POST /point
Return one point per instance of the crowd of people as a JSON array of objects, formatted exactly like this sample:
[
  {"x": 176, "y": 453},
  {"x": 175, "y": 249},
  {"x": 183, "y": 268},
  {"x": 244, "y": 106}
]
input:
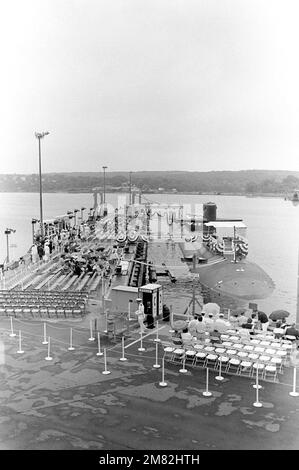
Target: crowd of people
[
  {"x": 202, "y": 325},
  {"x": 76, "y": 259}
]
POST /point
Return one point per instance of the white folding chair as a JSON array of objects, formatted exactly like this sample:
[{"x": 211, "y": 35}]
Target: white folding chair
[
  {"x": 224, "y": 361},
  {"x": 199, "y": 346},
  {"x": 233, "y": 365},
  {"x": 242, "y": 354},
  {"x": 255, "y": 341},
  {"x": 211, "y": 360},
  {"x": 277, "y": 361},
  {"x": 209, "y": 349},
  {"x": 265, "y": 343},
  {"x": 220, "y": 350},
  {"x": 231, "y": 352},
  {"x": 270, "y": 351},
  {"x": 245, "y": 368},
  {"x": 168, "y": 350},
  {"x": 253, "y": 356},
  {"x": 270, "y": 372},
  {"x": 234, "y": 338},
  {"x": 200, "y": 358},
  {"x": 190, "y": 355},
  {"x": 258, "y": 349},
  {"x": 257, "y": 366}
]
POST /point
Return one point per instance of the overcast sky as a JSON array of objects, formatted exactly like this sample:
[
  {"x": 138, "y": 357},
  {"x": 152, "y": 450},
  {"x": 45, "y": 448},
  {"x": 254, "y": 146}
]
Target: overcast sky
[{"x": 149, "y": 84}]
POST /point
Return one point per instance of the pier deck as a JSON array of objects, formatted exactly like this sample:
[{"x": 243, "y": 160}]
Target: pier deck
[
  {"x": 68, "y": 404},
  {"x": 168, "y": 254}
]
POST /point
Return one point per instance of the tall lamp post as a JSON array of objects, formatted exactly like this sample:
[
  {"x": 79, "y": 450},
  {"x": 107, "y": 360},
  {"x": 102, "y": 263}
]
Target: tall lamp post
[
  {"x": 82, "y": 209},
  {"x": 70, "y": 214},
  {"x": 75, "y": 215},
  {"x": 130, "y": 198},
  {"x": 104, "y": 211},
  {"x": 7, "y": 232},
  {"x": 297, "y": 313},
  {"x": 104, "y": 169},
  {"x": 39, "y": 136}
]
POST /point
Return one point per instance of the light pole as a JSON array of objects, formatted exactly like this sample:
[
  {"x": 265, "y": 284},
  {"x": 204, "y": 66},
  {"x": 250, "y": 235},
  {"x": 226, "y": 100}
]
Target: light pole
[
  {"x": 39, "y": 136},
  {"x": 104, "y": 168},
  {"x": 7, "y": 232},
  {"x": 33, "y": 222},
  {"x": 70, "y": 214},
  {"x": 297, "y": 313},
  {"x": 130, "y": 198},
  {"x": 75, "y": 215}
]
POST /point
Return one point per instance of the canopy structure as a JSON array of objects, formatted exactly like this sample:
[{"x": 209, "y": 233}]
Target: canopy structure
[{"x": 226, "y": 224}]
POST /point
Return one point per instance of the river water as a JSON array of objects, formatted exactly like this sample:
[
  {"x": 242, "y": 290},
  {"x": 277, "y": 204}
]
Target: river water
[{"x": 273, "y": 230}]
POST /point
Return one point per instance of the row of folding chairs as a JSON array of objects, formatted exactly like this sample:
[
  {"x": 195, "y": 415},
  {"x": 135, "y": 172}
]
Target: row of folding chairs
[
  {"x": 259, "y": 338},
  {"x": 243, "y": 354},
  {"x": 31, "y": 303},
  {"x": 271, "y": 349},
  {"x": 283, "y": 351},
  {"x": 42, "y": 312},
  {"x": 39, "y": 298},
  {"x": 42, "y": 294},
  {"x": 256, "y": 340},
  {"x": 12, "y": 307},
  {"x": 267, "y": 369}
]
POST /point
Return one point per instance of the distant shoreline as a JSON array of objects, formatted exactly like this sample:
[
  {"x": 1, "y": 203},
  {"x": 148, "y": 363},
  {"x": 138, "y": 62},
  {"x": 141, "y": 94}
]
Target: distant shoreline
[{"x": 88, "y": 191}]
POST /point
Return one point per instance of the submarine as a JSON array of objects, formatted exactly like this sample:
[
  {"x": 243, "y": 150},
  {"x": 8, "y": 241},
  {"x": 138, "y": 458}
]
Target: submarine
[
  {"x": 180, "y": 245},
  {"x": 219, "y": 256}
]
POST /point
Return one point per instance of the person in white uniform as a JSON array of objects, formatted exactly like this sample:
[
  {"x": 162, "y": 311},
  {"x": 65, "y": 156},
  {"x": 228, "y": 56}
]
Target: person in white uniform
[{"x": 140, "y": 315}]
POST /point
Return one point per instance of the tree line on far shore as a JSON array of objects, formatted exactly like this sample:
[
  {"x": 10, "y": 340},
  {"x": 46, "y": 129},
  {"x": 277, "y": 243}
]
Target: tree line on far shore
[{"x": 231, "y": 182}]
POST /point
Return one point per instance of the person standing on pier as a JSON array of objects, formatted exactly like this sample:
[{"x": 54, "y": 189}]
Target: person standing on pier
[{"x": 140, "y": 315}]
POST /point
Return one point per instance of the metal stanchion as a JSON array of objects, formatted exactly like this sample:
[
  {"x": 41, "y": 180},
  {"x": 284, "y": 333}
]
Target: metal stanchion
[
  {"x": 183, "y": 370},
  {"x": 257, "y": 403},
  {"x": 157, "y": 339},
  {"x": 20, "y": 351},
  {"x": 45, "y": 335},
  {"x": 294, "y": 393},
  {"x": 99, "y": 353},
  {"x": 49, "y": 358},
  {"x": 171, "y": 330},
  {"x": 106, "y": 371},
  {"x": 257, "y": 385},
  {"x": 206, "y": 393},
  {"x": 163, "y": 383},
  {"x": 141, "y": 348},
  {"x": 91, "y": 337},
  {"x": 219, "y": 377},
  {"x": 106, "y": 320},
  {"x": 156, "y": 365},
  {"x": 12, "y": 334},
  {"x": 129, "y": 311},
  {"x": 71, "y": 348},
  {"x": 123, "y": 358}
]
